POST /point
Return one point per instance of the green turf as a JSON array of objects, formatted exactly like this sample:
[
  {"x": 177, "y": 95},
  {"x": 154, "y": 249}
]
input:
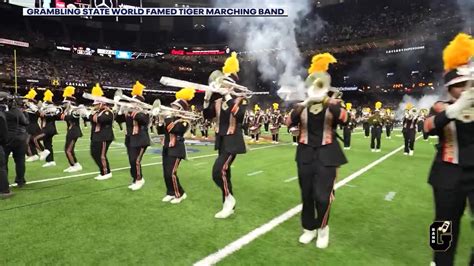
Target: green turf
[{"x": 83, "y": 221}]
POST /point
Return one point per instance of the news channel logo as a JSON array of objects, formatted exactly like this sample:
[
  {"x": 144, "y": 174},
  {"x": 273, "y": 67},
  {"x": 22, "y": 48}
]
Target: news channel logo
[{"x": 441, "y": 235}]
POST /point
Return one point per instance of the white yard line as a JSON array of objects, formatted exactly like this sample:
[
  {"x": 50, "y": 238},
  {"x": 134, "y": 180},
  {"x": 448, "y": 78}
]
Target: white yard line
[
  {"x": 390, "y": 195},
  {"x": 265, "y": 228},
  {"x": 254, "y": 173},
  {"x": 128, "y": 167}
]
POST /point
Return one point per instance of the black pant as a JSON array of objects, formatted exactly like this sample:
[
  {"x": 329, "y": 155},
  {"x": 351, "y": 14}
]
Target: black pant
[
  {"x": 135, "y": 155},
  {"x": 31, "y": 148},
  {"x": 99, "y": 154},
  {"x": 347, "y": 132},
  {"x": 205, "y": 133},
  {"x": 255, "y": 136},
  {"x": 69, "y": 150},
  {"x": 17, "y": 147},
  {"x": 4, "y": 185},
  {"x": 388, "y": 130},
  {"x": 275, "y": 137},
  {"x": 266, "y": 126},
  {"x": 317, "y": 192},
  {"x": 449, "y": 206},
  {"x": 409, "y": 136},
  {"x": 425, "y": 135},
  {"x": 366, "y": 129},
  {"x": 221, "y": 173},
  {"x": 170, "y": 174},
  {"x": 295, "y": 139},
  {"x": 48, "y": 145},
  {"x": 193, "y": 132},
  {"x": 376, "y": 134}
]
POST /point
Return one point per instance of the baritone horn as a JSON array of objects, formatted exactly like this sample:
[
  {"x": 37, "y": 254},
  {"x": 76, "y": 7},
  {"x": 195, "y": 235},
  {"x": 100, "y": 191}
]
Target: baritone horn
[{"x": 161, "y": 110}]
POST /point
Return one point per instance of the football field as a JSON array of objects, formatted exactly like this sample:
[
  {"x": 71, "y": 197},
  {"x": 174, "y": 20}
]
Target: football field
[{"x": 381, "y": 214}]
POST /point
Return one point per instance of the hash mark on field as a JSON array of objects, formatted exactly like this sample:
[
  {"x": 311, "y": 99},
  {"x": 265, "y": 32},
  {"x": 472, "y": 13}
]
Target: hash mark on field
[
  {"x": 390, "y": 195},
  {"x": 265, "y": 228},
  {"x": 348, "y": 185},
  {"x": 254, "y": 173},
  {"x": 201, "y": 163},
  {"x": 290, "y": 179}
]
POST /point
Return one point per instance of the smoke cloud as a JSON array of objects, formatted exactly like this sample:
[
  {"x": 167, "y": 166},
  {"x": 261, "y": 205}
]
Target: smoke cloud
[{"x": 271, "y": 42}]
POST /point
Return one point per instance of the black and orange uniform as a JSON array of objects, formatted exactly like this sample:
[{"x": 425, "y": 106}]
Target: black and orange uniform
[
  {"x": 376, "y": 125},
  {"x": 347, "y": 130},
  {"x": 256, "y": 126},
  {"x": 246, "y": 123},
  {"x": 120, "y": 119},
  {"x": 318, "y": 156},
  {"x": 174, "y": 150},
  {"x": 266, "y": 119},
  {"x": 137, "y": 140},
  {"x": 229, "y": 113},
  {"x": 409, "y": 133},
  {"x": 102, "y": 135},
  {"x": 276, "y": 119},
  {"x": 452, "y": 172},
  {"x": 33, "y": 129},
  {"x": 420, "y": 125},
  {"x": 366, "y": 126},
  {"x": 48, "y": 131},
  {"x": 74, "y": 132}
]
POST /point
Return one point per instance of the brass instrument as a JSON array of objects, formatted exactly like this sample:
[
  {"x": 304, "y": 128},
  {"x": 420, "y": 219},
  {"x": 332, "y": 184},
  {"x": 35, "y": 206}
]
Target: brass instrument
[
  {"x": 217, "y": 80},
  {"x": 318, "y": 84},
  {"x": 161, "y": 110},
  {"x": 49, "y": 109},
  {"x": 412, "y": 113}
]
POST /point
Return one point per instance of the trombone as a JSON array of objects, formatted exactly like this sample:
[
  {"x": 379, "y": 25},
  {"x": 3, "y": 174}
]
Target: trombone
[{"x": 161, "y": 110}]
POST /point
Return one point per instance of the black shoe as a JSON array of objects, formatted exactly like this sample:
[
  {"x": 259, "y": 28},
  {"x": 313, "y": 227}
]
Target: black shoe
[
  {"x": 20, "y": 185},
  {"x": 6, "y": 195}
]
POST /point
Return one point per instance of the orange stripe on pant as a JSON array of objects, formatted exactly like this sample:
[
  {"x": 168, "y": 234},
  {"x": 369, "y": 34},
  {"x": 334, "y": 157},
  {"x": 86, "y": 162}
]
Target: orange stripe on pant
[
  {"x": 224, "y": 176},
  {"x": 103, "y": 159},
  {"x": 138, "y": 164},
  {"x": 174, "y": 178}
]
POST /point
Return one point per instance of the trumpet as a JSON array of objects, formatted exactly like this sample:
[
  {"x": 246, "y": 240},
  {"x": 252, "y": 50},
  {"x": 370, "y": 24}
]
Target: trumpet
[
  {"x": 161, "y": 110},
  {"x": 49, "y": 109}
]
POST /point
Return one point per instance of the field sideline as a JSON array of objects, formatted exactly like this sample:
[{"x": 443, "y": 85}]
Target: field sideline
[{"x": 72, "y": 219}]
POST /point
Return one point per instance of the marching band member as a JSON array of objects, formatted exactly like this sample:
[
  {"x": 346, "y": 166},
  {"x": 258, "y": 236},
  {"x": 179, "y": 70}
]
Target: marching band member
[
  {"x": 452, "y": 172},
  {"x": 275, "y": 123},
  {"x": 388, "y": 122},
  {"x": 48, "y": 115},
  {"x": 102, "y": 134},
  {"x": 204, "y": 127},
  {"x": 421, "y": 122},
  {"x": 365, "y": 121},
  {"x": 409, "y": 129},
  {"x": 73, "y": 122},
  {"x": 193, "y": 123},
  {"x": 376, "y": 123},
  {"x": 229, "y": 113},
  {"x": 137, "y": 138},
  {"x": 174, "y": 149},
  {"x": 246, "y": 122},
  {"x": 255, "y": 127},
  {"x": 266, "y": 119},
  {"x": 348, "y": 127},
  {"x": 33, "y": 129},
  {"x": 318, "y": 154}
]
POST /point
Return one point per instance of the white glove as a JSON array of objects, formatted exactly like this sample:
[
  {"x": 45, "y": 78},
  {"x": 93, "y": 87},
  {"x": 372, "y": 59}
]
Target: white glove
[
  {"x": 155, "y": 112},
  {"x": 465, "y": 101},
  {"x": 207, "y": 95},
  {"x": 223, "y": 91}
]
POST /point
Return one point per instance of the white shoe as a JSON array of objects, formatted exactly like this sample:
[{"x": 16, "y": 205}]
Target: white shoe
[
  {"x": 432, "y": 263},
  {"x": 405, "y": 153},
  {"x": 276, "y": 142},
  {"x": 67, "y": 170},
  {"x": 411, "y": 153},
  {"x": 167, "y": 198},
  {"x": 308, "y": 236},
  {"x": 138, "y": 184},
  {"x": 378, "y": 150},
  {"x": 323, "y": 237},
  {"x": 227, "y": 209},
  {"x": 32, "y": 158},
  {"x": 131, "y": 185},
  {"x": 178, "y": 200},
  {"x": 295, "y": 144},
  {"x": 103, "y": 177},
  {"x": 373, "y": 150},
  {"x": 49, "y": 164},
  {"x": 43, "y": 155},
  {"x": 76, "y": 168}
]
